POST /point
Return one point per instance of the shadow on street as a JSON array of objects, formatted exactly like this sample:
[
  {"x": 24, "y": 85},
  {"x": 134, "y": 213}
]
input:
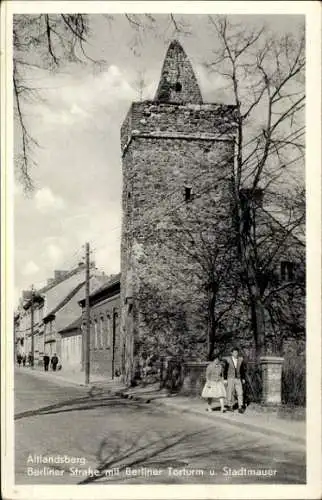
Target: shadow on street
[
  {"x": 186, "y": 449},
  {"x": 84, "y": 403}
]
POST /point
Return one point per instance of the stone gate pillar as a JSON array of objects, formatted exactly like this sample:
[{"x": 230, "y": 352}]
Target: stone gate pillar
[{"x": 271, "y": 367}]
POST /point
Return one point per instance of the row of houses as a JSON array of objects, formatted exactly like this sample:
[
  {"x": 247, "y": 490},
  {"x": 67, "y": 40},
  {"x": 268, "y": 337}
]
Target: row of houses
[{"x": 57, "y": 312}]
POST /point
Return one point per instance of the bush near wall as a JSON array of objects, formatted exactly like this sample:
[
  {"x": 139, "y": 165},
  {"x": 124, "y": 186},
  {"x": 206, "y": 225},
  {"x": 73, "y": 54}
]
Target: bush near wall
[{"x": 294, "y": 381}]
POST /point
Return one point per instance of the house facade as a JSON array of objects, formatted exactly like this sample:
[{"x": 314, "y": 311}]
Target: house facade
[
  {"x": 65, "y": 321},
  {"x": 39, "y": 308},
  {"x": 105, "y": 351},
  {"x": 71, "y": 341}
]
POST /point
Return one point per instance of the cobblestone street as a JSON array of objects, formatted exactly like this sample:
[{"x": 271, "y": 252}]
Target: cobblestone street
[{"x": 106, "y": 439}]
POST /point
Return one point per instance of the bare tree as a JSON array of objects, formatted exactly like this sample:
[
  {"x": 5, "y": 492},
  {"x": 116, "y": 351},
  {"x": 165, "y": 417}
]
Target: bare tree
[
  {"x": 215, "y": 282},
  {"x": 41, "y": 42},
  {"x": 140, "y": 84},
  {"x": 49, "y": 42},
  {"x": 265, "y": 76}
]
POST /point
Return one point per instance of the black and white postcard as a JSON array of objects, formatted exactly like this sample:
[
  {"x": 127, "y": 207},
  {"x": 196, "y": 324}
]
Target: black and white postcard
[{"x": 161, "y": 326}]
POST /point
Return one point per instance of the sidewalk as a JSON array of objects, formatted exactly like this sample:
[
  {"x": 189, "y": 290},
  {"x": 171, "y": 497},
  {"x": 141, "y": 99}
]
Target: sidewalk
[
  {"x": 73, "y": 377},
  {"x": 254, "y": 418}
]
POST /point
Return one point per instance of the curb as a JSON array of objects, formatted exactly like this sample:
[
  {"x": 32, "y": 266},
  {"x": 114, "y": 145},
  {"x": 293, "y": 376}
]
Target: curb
[{"x": 61, "y": 380}]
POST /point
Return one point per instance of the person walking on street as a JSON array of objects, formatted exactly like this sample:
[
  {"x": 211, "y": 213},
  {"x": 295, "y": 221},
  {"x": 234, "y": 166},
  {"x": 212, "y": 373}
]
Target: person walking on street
[
  {"x": 235, "y": 374},
  {"x": 30, "y": 359},
  {"x": 214, "y": 387},
  {"x": 19, "y": 359},
  {"x": 54, "y": 362},
  {"x": 46, "y": 362},
  {"x": 24, "y": 359}
]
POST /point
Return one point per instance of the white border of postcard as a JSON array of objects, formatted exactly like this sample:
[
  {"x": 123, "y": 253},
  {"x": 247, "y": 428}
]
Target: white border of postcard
[{"x": 312, "y": 489}]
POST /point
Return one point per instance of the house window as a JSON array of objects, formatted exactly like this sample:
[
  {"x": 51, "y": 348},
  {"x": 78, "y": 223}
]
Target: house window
[
  {"x": 116, "y": 324},
  {"x": 91, "y": 336},
  {"x": 108, "y": 331},
  {"x": 287, "y": 270},
  {"x": 101, "y": 333},
  {"x": 187, "y": 193},
  {"x": 95, "y": 334}
]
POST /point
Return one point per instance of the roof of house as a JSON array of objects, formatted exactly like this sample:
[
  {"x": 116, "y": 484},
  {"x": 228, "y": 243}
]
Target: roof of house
[
  {"x": 294, "y": 231},
  {"x": 110, "y": 283},
  {"x": 67, "y": 309},
  {"x": 74, "y": 325},
  {"x": 100, "y": 282},
  {"x": 64, "y": 301}
]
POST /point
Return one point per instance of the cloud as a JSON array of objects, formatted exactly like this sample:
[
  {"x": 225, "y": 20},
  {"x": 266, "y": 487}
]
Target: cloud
[
  {"x": 77, "y": 111},
  {"x": 54, "y": 254},
  {"x": 47, "y": 201},
  {"x": 75, "y": 100},
  {"x": 17, "y": 189},
  {"x": 214, "y": 87},
  {"x": 30, "y": 268}
]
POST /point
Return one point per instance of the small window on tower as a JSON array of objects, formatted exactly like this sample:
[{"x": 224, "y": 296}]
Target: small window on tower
[
  {"x": 178, "y": 87},
  {"x": 287, "y": 270},
  {"x": 188, "y": 193},
  {"x": 129, "y": 195}
]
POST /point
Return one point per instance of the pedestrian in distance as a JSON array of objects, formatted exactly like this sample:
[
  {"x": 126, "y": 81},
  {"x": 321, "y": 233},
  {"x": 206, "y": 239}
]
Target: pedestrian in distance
[
  {"x": 214, "y": 387},
  {"x": 30, "y": 359},
  {"x": 54, "y": 362},
  {"x": 235, "y": 374},
  {"x": 19, "y": 359},
  {"x": 46, "y": 362},
  {"x": 24, "y": 359}
]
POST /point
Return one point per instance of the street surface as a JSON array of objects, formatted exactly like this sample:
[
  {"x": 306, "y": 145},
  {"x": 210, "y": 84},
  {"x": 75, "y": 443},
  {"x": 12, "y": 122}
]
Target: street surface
[{"x": 80, "y": 438}]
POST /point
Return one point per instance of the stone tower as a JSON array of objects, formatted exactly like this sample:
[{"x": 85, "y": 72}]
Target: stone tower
[{"x": 177, "y": 155}]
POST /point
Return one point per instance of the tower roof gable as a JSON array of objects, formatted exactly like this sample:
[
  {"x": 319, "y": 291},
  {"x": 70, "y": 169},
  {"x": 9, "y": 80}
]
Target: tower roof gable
[{"x": 178, "y": 82}]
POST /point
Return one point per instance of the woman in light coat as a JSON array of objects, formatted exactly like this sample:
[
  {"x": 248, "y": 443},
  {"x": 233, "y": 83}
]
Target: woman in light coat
[{"x": 214, "y": 387}]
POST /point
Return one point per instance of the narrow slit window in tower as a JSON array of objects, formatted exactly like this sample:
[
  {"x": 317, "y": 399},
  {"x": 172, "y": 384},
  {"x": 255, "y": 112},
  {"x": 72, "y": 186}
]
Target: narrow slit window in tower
[{"x": 188, "y": 194}]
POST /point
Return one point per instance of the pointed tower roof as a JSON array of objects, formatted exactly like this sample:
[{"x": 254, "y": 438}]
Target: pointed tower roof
[{"x": 178, "y": 82}]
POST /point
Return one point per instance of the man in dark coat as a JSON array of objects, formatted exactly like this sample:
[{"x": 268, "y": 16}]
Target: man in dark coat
[
  {"x": 30, "y": 359},
  {"x": 46, "y": 362},
  {"x": 54, "y": 362},
  {"x": 235, "y": 374}
]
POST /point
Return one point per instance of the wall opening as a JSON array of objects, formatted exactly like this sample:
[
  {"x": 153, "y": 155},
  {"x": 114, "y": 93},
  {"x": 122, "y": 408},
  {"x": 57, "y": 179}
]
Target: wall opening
[
  {"x": 287, "y": 270},
  {"x": 187, "y": 193}
]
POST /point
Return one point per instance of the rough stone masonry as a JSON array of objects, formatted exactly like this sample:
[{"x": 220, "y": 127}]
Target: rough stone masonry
[{"x": 178, "y": 155}]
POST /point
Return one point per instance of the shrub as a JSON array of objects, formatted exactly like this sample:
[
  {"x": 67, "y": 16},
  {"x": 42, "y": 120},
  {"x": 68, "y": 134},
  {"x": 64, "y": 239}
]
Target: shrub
[{"x": 294, "y": 381}]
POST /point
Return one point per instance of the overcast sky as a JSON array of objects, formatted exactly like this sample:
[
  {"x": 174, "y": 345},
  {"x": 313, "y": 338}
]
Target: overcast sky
[{"x": 78, "y": 177}]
